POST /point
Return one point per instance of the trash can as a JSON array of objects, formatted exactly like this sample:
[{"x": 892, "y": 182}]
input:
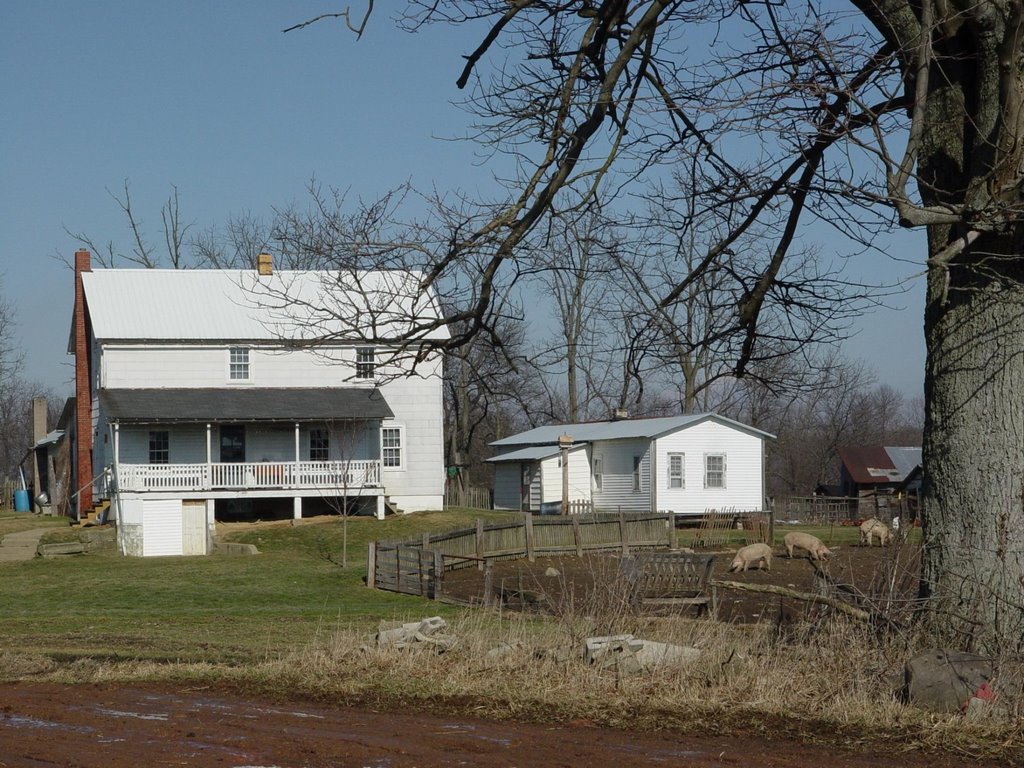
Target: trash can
[{"x": 21, "y": 501}]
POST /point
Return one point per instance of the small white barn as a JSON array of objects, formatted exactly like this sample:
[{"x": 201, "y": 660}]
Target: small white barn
[{"x": 685, "y": 464}]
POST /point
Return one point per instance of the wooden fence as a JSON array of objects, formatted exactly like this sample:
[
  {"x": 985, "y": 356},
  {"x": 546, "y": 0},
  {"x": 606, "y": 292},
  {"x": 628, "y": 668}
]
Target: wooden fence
[
  {"x": 472, "y": 497},
  {"x": 417, "y": 567}
]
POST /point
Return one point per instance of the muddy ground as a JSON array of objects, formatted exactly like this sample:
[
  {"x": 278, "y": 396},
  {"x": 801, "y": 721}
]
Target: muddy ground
[
  {"x": 866, "y": 575},
  {"x": 136, "y": 727}
]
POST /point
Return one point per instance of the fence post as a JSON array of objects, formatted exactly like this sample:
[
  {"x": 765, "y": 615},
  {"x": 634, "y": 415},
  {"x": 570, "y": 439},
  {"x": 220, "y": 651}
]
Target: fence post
[
  {"x": 672, "y": 529},
  {"x": 528, "y": 520},
  {"x": 771, "y": 525},
  {"x": 480, "y": 543},
  {"x": 577, "y": 536},
  {"x": 371, "y": 565},
  {"x": 488, "y": 582},
  {"x": 622, "y": 532},
  {"x": 425, "y": 542},
  {"x": 438, "y": 575}
]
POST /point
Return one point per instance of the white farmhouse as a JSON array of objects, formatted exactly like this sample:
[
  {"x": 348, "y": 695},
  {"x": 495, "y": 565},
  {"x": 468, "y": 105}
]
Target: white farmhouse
[
  {"x": 200, "y": 396},
  {"x": 685, "y": 464}
]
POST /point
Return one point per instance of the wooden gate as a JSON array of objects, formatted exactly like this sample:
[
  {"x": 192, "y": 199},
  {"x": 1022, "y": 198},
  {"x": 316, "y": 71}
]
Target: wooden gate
[{"x": 410, "y": 570}]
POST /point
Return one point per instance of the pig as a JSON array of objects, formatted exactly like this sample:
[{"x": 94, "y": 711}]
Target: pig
[
  {"x": 866, "y": 526},
  {"x": 750, "y": 554},
  {"x": 812, "y": 544},
  {"x": 876, "y": 528}
]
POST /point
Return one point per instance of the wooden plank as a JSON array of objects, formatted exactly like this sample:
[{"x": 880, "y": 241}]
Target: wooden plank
[
  {"x": 622, "y": 532},
  {"x": 371, "y": 565},
  {"x": 528, "y": 521},
  {"x": 576, "y": 536},
  {"x": 480, "y": 540}
]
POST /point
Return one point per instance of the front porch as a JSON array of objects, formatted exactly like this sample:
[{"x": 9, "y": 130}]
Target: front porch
[{"x": 331, "y": 477}]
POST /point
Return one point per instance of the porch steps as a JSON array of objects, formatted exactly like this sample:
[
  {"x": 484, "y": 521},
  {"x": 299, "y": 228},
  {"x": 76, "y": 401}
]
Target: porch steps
[
  {"x": 391, "y": 508},
  {"x": 92, "y": 516}
]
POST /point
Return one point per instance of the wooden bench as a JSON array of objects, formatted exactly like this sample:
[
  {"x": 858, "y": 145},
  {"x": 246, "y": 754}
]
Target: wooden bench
[{"x": 665, "y": 579}]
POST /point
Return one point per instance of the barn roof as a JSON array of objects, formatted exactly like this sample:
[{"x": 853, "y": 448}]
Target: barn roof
[
  {"x": 874, "y": 464},
  {"x": 241, "y": 305}
]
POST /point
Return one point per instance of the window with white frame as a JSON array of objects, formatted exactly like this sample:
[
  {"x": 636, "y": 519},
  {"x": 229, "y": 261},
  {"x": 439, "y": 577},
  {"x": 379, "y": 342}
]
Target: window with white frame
[
  {"x": 714, "y": 470},
  {"x": 391, "y": 448},
  {"x": 159, "y": 446},
  {"x": 598, "y": 473},
  {"x": 676, "y": 478},
  {"x": 366, "y": 362},
  {"x": 319, "y": 445},
  {"x": 238, "y": 364},
  {"x": 636, "y": 474}
]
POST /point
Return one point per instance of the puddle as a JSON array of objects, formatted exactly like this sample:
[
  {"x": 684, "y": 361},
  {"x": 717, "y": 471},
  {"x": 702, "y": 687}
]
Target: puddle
[
  {"x": 16, "y": 721},
  {"x": 136, "y": 715}
]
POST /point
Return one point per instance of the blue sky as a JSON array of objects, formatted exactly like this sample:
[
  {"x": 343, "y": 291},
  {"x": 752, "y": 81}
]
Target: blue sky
[{"x": 213, "y": 98}]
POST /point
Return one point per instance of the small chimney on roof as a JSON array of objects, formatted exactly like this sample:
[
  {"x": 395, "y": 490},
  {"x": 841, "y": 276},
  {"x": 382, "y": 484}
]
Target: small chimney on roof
[
  {"x": 265, "y": 264},
  {"x": 619, "y": 414}
]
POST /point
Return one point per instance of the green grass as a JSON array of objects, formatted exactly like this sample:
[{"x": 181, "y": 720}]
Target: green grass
[
  {"x": 13, "y": 522},
  {"x": 218, "y": 608}
]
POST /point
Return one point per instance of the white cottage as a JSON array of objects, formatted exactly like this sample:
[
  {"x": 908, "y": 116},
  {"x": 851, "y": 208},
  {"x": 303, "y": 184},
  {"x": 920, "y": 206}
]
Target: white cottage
[
  {"x": 685, "y": 464},
  {"x": 198, "y": 399}
]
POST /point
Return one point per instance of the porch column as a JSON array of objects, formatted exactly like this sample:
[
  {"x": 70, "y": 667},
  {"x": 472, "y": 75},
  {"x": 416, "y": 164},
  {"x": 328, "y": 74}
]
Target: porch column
[
  {"x": 295, "y": 474},
  {"x": 380, "y": 508},
  {"x": 209, "y": 458},
  {"x": 117, "y": 455},
  {"x": 297, "y": 506}
]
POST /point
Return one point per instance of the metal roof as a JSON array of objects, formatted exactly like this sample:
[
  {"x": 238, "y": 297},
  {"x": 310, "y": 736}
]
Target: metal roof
[
  {"x": 243, "y": 404},
  {"x": 50, "y": 438},
  {"x": 240, "y": 305},
  {"x": 588, "y": 432},
  {"x": 904, "y": 459},
  {"x": 533, "y": 453},
  {"x": 874, "y": 464}
]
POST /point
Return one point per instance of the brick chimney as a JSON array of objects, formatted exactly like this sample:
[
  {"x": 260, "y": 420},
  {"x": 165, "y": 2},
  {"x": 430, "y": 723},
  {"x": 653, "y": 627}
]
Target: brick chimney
[
  {"x": 83, "y": 390},
  {"x": 265, "y": 264}
]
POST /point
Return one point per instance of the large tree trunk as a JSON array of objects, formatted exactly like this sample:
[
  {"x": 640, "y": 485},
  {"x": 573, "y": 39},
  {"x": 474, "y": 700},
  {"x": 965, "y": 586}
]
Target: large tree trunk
[
  {"x": 973, "y": 569},
  {"x": 974, "y": 459}
]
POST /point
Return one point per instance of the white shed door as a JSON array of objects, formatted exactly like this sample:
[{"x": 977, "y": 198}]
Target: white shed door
[
  {"x": 193, "y": 527},
  {"x": 162, "y": 528}
]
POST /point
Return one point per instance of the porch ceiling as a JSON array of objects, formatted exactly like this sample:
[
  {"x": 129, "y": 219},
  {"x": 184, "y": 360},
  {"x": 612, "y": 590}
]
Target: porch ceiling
[{"x": 243, "y": 404}]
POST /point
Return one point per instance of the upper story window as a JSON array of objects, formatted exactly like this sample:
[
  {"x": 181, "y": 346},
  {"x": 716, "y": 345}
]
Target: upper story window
[
  {"x": 159, "y": 447},
  {"x": 238, "y": 364},
  {"x": 391, "y": 447},
  {"x": 676, "y": 478},
  {"x": 319, "y": 445},
  {"x": 714, "y": 470},
  {"x": 365, "y": 362}
]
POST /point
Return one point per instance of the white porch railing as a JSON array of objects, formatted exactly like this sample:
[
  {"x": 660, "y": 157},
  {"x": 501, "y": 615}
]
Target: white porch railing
[{"x": 256, "y": 475}]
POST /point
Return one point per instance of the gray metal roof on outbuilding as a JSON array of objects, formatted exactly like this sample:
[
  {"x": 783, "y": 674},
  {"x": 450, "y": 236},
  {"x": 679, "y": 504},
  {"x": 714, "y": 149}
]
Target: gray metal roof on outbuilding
[
  {"x": 151, "y": 406},
  {"x": 532, "y": 453},
  {"x": 622, "y": 429}
]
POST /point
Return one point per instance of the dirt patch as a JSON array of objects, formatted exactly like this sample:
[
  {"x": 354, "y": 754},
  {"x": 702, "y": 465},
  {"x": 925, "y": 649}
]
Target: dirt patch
[
  {"x": 125, "y": 727},
  {"x": 867, "y": 575}
]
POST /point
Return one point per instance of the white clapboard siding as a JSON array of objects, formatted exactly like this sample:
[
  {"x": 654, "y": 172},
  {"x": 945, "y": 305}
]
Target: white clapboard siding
[
  {"x": 743, "y": 450},
  {"x": 579, "y": 477},
  {"x": 617, "y": 490}
]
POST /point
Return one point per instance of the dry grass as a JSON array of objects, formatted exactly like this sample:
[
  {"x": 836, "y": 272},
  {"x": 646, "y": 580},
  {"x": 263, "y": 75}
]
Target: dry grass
[{"x": 833, "y": 685}]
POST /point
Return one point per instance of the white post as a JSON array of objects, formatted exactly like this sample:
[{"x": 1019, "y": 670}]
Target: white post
[
  {"x": 295, "y": 474},
  {"x": 380, "y": 507},
  {"x": 298, "y": 508},
  {"x": 117, "y": 456},
  {"x": 209, "y": 460}
]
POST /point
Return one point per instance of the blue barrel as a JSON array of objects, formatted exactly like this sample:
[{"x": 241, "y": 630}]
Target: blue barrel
[{"x": 21, "y": 501}]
